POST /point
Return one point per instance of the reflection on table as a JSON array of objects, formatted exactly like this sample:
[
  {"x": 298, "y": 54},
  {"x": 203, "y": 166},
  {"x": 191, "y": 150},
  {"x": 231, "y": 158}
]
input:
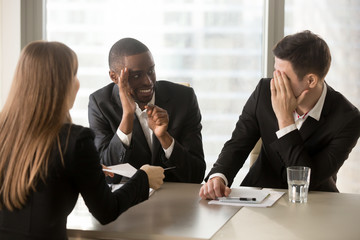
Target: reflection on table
[{"x": 176, "y": 212}]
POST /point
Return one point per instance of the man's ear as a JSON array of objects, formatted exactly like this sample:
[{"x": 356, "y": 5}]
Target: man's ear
[
  {"x": 312, "y": 80},
  {"x": 113, "y": 76}
]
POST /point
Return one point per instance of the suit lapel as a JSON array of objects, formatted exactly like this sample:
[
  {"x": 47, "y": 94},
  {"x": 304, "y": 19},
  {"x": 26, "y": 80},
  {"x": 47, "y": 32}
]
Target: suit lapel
[
  {"x": 162, "y": 97},
  {"x": 156, "y": 148},
  {"x": 138, "y": 134},
  {"x": 309, "y": 127}
]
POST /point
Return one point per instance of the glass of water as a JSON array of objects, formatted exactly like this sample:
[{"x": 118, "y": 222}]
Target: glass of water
[{"x": 298, "y": 179}]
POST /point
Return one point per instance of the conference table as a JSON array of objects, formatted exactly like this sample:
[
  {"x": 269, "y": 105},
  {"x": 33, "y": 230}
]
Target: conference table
[{"x": 175, "y": 211}]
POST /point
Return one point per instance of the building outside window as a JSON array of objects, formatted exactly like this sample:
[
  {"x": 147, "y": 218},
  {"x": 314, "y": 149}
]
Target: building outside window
[{"x": 214, "y": 45}]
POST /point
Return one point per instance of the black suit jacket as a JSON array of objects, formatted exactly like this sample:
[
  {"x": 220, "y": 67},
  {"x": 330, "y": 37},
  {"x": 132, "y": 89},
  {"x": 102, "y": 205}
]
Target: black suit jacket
[
  {"x": 322, "y": 145},
  {"x": 45, "y": 213},
  {"x": 105, "y": 113}
]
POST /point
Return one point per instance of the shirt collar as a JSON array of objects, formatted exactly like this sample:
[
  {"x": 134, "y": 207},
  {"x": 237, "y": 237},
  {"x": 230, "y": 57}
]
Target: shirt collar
[
  {"x": 315, "y": 112},
  {"x": 138, "y": 110}
]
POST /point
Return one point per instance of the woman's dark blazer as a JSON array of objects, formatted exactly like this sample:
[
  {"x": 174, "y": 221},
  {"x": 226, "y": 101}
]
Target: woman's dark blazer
[{"x": 45, "y": 213}]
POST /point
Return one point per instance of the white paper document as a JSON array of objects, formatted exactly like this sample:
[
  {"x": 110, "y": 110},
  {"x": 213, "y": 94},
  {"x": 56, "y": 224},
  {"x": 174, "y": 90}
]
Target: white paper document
[
  {"x": 124, "y": 169},
  {"x": 246, "y": 195},
  {"x": 249, "y": 198},
  {"x": 115, "y": 187}
]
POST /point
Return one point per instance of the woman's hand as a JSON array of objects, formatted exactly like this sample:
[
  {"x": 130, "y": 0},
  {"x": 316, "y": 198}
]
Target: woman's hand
[
  {"x": 108, "y": 174},
  {"x": 155, "y": 175}
]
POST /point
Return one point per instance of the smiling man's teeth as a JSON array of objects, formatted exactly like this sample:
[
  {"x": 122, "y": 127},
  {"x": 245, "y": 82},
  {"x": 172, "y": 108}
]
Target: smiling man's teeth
[{"x": 145, "y": 91}]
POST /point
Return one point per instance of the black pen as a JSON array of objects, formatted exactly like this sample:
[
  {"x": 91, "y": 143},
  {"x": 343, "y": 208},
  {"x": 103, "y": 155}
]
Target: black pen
[
  {"x": 169, "y": 168},
  {"x": 247, "y": 199},
  {"x": 236, "y": 199}
]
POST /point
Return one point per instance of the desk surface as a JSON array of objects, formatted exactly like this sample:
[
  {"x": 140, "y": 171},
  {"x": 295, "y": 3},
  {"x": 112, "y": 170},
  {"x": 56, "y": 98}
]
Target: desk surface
[
  {"x": 176, "y": 212},
  {"x": 325, "y": 216}
]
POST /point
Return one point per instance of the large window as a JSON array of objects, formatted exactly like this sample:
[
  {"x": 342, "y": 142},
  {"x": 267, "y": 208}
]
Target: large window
[
  {"x": 215, "y": 45},
  {"x": 337, "y": 22}
]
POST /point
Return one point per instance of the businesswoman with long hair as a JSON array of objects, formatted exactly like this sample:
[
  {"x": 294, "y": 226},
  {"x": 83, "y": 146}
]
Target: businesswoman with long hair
[{"x": 45, "y": 160}]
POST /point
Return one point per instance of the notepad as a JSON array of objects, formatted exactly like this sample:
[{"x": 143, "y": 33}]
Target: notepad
[{"x": 245, "y": 195}]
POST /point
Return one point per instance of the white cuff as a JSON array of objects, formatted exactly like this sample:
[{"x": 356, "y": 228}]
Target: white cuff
[
  {"x": 282, "y": 132},
  {"x": 170, "y": 149},
  {"x": 125, "y": 139},
  {"x": 219, "y": 175}
]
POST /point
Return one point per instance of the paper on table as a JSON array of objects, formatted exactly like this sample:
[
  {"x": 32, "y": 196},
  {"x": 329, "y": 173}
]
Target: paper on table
[
  {"x": 246, "y": 195},
  {"x": 124, "y": 169},
  {"x": 115, "y": 187},
  {"x": 267, "y": 202}
]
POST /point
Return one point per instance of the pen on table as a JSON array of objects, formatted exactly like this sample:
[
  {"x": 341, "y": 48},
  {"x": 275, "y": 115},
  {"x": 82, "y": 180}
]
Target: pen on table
[
  {"x": 169, "y": 168},
  {"x": 247, "y": 199},
  {"x": 236, "y": 199}
]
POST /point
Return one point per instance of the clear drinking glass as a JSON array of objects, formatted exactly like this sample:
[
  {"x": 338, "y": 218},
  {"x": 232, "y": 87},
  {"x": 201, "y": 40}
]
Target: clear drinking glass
[{"x": 298, "y": 178}]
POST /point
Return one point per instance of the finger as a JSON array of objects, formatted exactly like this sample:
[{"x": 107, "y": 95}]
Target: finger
[
  {"x": 149, "y": 109},
  {"x": 205, "y": 193},
  {"x": 276, "y": 81},
  {"x": 201, "y": 192},
  {"x": 159, "y": 183},
  {"x": 161, "y": 121},
  {"x": 286, "y": 82},
  {"x": 272, "y": 87},
  {"x": 150, "y": 106},
  {"x": 157, "y": 109},
  {"x": 120, "y": 79},
  {"x": 210, "y": 190},
  {"x": 280, "y": 83},
  {"x": 158, "y": 113},
  {"x": 161, "y": 170},
  {"x": 218, "y": 188},
  {"x": 159, "y": 116},
  {"x": 227, "y": 191},
  {"x": 124, "y": 79}
]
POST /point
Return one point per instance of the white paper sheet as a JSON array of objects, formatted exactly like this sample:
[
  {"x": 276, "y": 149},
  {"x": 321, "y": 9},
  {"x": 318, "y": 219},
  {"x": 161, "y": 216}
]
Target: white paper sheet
[
  {"x": 124, "y": 169},
  {"x": 246, "y": 195},
  {"x": 267, "y": 202},
  {"x": 115, "y": 187}
]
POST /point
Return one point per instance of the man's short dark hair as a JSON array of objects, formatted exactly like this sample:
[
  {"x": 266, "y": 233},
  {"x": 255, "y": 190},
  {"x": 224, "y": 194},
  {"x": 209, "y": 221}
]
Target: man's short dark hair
[
  {"x": 307, "y": 53},
  {"x": 125, "y": 47}
]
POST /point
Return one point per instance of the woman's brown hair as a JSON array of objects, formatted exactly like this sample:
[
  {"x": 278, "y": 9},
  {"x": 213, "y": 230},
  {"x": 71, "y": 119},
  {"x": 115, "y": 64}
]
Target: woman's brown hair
[{"x": 34, "y": 112}]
